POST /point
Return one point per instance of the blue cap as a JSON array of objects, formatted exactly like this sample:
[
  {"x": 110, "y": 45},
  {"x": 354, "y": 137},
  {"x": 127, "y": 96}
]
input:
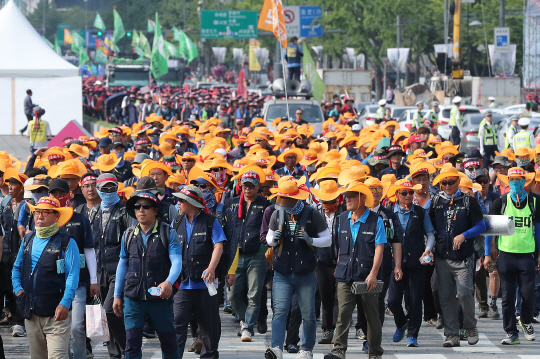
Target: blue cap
[{"x": 104, "y": 142}]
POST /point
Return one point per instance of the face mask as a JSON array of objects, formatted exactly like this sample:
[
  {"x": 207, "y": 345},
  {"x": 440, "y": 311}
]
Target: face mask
[
  {"x": 311, "y": 168},
  {"x": 471, "y": 174},
  {"x": 298, "y": 207},
  {"x": 209, "y": 196},
  {"x": 221, "y": 177},
  {"x": 330, "y": 208},
  {"x": 63, "y": 200},
  {"x": 37, "y": 196},
  {"x": 521, "y": 162},
  {"x": 108, "y": 199},
  {"x": 517, "y": 190},
  {"x": 47, "y": 232}
]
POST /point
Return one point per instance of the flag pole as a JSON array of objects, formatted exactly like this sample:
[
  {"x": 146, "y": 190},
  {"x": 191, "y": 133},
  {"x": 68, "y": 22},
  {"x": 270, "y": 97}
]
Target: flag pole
[{"x": 285, "y": 82}]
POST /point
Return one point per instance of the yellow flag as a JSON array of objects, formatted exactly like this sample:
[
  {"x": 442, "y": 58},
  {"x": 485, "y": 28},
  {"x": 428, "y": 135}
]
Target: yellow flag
[
  {"x": 68, "y": 39},
  {"x": 278, "y": 28},
  {"x": 253, "y": 62}
]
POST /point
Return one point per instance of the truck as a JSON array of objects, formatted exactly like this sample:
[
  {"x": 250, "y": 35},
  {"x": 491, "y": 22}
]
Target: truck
[
  {"x": 127, "y": 75},
  {"x": 357, "y": 83},
  {"x": 175, "y": 76}
]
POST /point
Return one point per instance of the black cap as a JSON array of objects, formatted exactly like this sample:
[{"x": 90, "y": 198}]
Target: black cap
[
  {"x": 148, "y": 184},
  {"x": 104, "y": 142},
  {"x": 60, "y": 184},
  {"x": 118, "y": 143},
  {"x": 473, "y": 153}
]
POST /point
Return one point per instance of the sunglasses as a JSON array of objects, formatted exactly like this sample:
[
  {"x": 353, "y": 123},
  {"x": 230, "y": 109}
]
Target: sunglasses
[
  {"x": 109, "y": 189},
  {"x": 288, "y": 143},
  {"x": 187, "y": 160},
  {"x": 181, "y": 200},
  {"x": 200, "y": 185},
  {"x": 405, "y": 193},
  {"x": 482, "y": 181},
  {"x": 376, "y": 189},
  {"x": 448, "y": 183},
  {"x": 145, "y": 206}
]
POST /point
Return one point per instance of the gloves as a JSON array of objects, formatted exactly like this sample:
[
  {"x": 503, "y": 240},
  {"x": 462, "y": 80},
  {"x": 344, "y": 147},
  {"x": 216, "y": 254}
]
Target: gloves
[
  {"x": 277, "y": 236},
  {"x": 303, "y": 236}
]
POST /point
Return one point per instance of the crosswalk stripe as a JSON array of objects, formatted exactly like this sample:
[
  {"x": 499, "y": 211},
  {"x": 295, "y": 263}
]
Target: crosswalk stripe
[
  {"x": 529, "y": 356},
  {"x": 420, "y": 356}
]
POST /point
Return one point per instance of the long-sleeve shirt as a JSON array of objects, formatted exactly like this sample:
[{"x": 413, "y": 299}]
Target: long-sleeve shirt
[
  {"x": 71, "y": 259},
  {"x": 28, "y": 106}
]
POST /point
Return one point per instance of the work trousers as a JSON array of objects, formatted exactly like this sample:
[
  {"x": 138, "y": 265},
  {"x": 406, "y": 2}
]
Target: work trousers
[
  {"x": 489, "y": 154},
  {"x": 117, "y": 330},
  {"x": 455, "y": 136},
  {"x": 47, "y": 338},
  {"x": 480, "y": 288},
  {"x": 326, "y": 284}
]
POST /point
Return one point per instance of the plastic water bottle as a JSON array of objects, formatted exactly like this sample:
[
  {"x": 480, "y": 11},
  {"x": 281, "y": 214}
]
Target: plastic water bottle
[
  {"x": 426, "y": 259},
  {"x": 155, "y": 291},
  {"x": 211, "y": 287}
]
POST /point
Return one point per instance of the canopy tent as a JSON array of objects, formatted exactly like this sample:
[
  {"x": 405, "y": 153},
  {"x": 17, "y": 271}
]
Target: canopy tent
[{"x": 28, "y": 62}]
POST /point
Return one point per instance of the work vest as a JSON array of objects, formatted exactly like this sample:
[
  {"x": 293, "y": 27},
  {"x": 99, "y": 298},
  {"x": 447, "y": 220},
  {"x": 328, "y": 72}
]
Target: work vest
[
  {"x": 75, "y": 228},
  {"x": 108, "y": 239},
  {"x": 356, "y": 260},
  {"x": 328, "y": 255},
  {"x": 197, "y": 254},
  {"x": 148, "y": 266},
  {"x": 490, "y": 133},
  {"x": 511, "y": 129},
  {"x": 493, "y": 105},
  {"x": 522, "y": 139},
  {"x": 390, "y": 227},
  {"x": 522, "y": 241},
  {"x": 39, "y": 134},
  {"x": 412, "y": 241},
  {"x": 380, "y": 112},
  {"x": 455, "y": 115},
  {"x": 417, "y": 118},
  {"x": 44, "y": 287},
  {"x": 296, "y": 255},
  {"x": 248, "y": 228}
]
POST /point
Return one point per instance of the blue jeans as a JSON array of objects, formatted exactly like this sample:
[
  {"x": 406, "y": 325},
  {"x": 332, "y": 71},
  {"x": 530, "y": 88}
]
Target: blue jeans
[
  {"x": 246, "y": 292},
  {"x": 283, "y": 289},
  {"x": 78, "y": 329},
  {"x": 160, "y": 313}
]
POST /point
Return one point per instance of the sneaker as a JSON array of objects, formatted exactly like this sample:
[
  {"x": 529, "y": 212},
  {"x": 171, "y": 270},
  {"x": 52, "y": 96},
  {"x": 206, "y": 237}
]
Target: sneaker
[
  {"x": 246, "y": 336},
  {"x": 365, "y": 347},
  {"x": 327, "y": 337},
  {"x": 262, "y": 326},
  {"x": 375, "y": 356},
  {"x": 494, "y": 312},
  {"x": 21, "y": 132},
  {"x": 412, "y": 342},
  {"x": 536, "y": 319},
  {"x": 462, "y": 334},
  {"x": 227, "y": 309},
  {"x": 292, "y": 349},
  {"x": 242, "y": 327},
  {"x": 483, "y": 313},
  {"x": 440, "y": 322},
  {"x": 196, "y": 346},
  {"x": 389, "y": 312},
  {"x": 528, "y": 330},
  {"x": 18, "y": 331},
  {"x": 148, "y": 332},
  {"x": 360, "y": 335},
  {"x": 89, "y": 354},
  {"x": 335, "y": 354},
  {"x": 472, "y": 335},
  {"x": 431, "y": 322},
  {"x": 451, "y": 341},
  {"x": 273, "y": 353},
  {"x": 305, "y": 354},
  {"x": 510, "y": 339},
  {"x": 400, "y": 333}
]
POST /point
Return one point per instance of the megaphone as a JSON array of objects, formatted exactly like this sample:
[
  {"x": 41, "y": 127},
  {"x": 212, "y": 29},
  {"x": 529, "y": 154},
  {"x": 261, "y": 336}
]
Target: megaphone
[
  {"x": 293, "y": 86},
  {"x": 278, "y": 85},
  {"x": 305, "y": 86}
]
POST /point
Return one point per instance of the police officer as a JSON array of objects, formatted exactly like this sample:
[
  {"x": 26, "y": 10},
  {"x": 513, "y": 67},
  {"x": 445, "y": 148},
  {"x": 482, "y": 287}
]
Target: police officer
[
  {"x": 382, "y": 107},
  {"x": 516, "y": 260},
  {"x": 108, "y": 221},
  {"x": 457, "y": 218},
  {"x": 512, "y": 130},
  {"x": 456, "y": 122},
  {"x": 523, "y": 138},
  {"x": 492, "y": 103},
  {"x": 293, "y": 56},
  {"x": 487, "y": 133},
  {"x": 431, "y": 117},
  {"x": 417, "y": 115},
  {"x": 150, "y": 258}
]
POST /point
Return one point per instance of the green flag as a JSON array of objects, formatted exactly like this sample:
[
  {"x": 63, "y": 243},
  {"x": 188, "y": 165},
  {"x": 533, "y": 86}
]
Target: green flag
[
  {"x": 48, "y": 42},
  {"x": 83, "y": 57},
  {"x": 98, "y": 23},
  {"x": 151, "y": 25},
  {"x": 311, "y": 74},
  {"x": 145, "y": 45},
  {"x": 78, "y": 42},
  {"x": 101, "y": 57},
  {"x": 57, "y": 48},
  {"x": 171, "y": 49},
  {"x": 187, "y": 48},
  {"x": 119, "y": 31},
  {"x": 158, "y": 64},
  {"x": 135, "y": 39}
]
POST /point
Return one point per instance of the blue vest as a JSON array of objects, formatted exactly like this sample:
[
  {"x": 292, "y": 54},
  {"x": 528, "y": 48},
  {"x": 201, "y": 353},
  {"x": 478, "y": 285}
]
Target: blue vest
[
  {"x": 356, "y": 260},
  {"x": 107, "y": 241},
  {"x": 44, "y": 287},
  {"x": 412, "y": 241},
  {"x": 147, "y": 267}
]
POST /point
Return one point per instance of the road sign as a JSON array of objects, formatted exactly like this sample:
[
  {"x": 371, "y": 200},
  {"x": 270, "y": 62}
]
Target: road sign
[
  {"x": 229, "y": 24},
  {"x": 502, "y": 39},
  {"x": 292, "y": 20},
  {"x": 308, "y": 17}
]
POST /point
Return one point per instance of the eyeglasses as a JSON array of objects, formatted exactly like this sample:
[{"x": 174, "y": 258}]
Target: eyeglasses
[
  {"x": 42, "y": 213},
  {"x": 187, "y": 160},
  {"x": 181, "y": 200},
  {"x": 288, "y": 143},
  {"x": 200, "y": 185},
  {"x": 354, "y": 195},
  {"x": 457, "y": 161},
  {"x": 405, "y": 193},
  {"x": 145, "y": 206},
  {"x": 109, "y": 189},
  {"x": 482, "y": 181},
  {"x": 89, "y": 185},
  {"x": 376, "y": 189},
  {"x": 448, "y": 183}
]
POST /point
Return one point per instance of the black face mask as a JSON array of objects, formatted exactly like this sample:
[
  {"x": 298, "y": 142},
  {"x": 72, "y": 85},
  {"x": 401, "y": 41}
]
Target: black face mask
[{"x": 140, "y": 150}]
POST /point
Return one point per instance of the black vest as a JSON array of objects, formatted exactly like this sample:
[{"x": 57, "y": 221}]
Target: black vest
[
  {"x": 107, "y": 240},
  {"x": 147, "y": 267},
  {"x": 75, "y": 228},
  {"x": 296, "y": 255},
  {"x": 328, "y": 255},
  {"x": 197, "y": 254},
  {"x": 44, "y": 287},
  {"x": 391, "y": 224},
  {"x": 460, "y": 221},
  {"x": 248, "y": 228},
  {"x": 412, "y": 241},
  {"x": 11, "y": 233},
  {"x": 356, "y": 260}
]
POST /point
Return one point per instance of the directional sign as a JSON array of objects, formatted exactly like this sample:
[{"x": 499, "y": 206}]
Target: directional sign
[
  {"x": 308, "y": 17},
  {"x": 502, "y": 39},
  {"x": 229, "y": 24}
]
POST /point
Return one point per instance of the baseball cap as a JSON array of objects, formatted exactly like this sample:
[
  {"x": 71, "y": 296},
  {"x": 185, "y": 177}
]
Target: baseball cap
[
  {"x": 60, "y": 184},
  {"x": 117, "y": 144},
  {"x": 473, "y": 153},
  {"x": 104, "y": 142},
  {"x": 414, "y": 139},
  {"x": 251, "y": 177},
  {"x": 488, "y": 113},
  {"x": 105, "y": 178}
]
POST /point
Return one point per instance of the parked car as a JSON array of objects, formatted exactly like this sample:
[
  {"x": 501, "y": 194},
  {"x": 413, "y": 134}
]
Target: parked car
[
  {"x": 404, "y": 116},
  {"x": 444, "y": 129},
  {"x": 313, "y": 113},
  {"x": 369, "y": 114},
  {"x": 361, "y": 105},
  {"x": 471, "y": 124}
]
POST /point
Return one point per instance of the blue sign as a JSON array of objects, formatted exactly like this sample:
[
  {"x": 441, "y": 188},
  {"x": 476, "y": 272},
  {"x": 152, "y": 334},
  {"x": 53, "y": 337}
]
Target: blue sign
[
  {"x": 309, "y": 15},
  {"x": 502, "y": 40}
]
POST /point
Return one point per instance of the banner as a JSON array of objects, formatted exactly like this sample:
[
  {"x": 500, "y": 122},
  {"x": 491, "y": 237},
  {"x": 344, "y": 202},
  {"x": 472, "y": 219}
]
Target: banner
[
  {"x": 531, "y": 45},
  {"x": 242, "y": 84},
  {"x": 311, "y": 74},
  {"x": 99, "y": 24},
  {"x": 171, "y": 49},
  {"x": 398, "y": 58},
  {"x": 254, "y": 64},
  {"x": 503, "y": 64},
  {"x": 278, "y": 27},
  {"x": 144, "y": 44},
  {"x": 100, "y": 45},
  {"x": 119, "y": 31},
  {"x": 151, "y": 25},
  {"x": 219, "y": 53},
  {"x": 68, "y": 39},
  {"x": 186, "y": 47},
  {"x": 238, "y": 56},
  {"x": 265, "y": 19},
  {"x": 262, "y": 54},
  {"x": 361, "y": 61},
  {"x": 158, "y": 63}
]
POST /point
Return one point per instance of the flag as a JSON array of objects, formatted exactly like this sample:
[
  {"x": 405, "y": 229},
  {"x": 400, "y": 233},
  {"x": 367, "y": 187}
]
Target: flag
[
  {"x": 78, "y": 41},
  {"x": 99, "y": 24},
  {"x": 151, "y": 25},
  {"x": 109, "y": 43},
  {"x": 311, "y": 74},
  {"x": 171, "y": 49},
  {"x": 144, "y": 45},
  {"x": 242, "y": 84},
  {"x": 266, "y": 21},
  {"x": 101, "y": 57},
  {"x": 119, "y": 31},
  {"x": 48, "y": 42},
  {"x": 187, "y": 48},
  {"x": 253, "y": 61},
  {"x": 135, "y": 39},
  {"x": 68, "y": 39},
  {"x": 158, "y": 63},
  {"x": 278, "y": 27},
  {"x": 101, "y": 46},
  {"x": 57, "y": 48}
]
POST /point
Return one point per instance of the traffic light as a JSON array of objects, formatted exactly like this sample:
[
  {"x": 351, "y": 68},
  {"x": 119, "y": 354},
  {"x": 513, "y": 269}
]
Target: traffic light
[
  {"x": 128, "y": 34},
  {"x": 100, "y": 33}
]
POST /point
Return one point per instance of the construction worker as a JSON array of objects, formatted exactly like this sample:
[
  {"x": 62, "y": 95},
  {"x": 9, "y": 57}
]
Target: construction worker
[
  {"x": 431, "y": 117},
  {"x": 512, "y": 130},
  {"x": 492, "y": 103},
  {"x": 523, "y": 138},
  {"x": 456, "y": 122},
  {"x": 380, "y": 110},
  {"x": 487, "y": 133},
  {"x": 417, "y": 115}
]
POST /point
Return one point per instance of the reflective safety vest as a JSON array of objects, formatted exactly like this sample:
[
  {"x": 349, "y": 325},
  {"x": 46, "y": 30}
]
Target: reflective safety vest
[
  {"x": 38, "y": 134},
  {"x": 455, "y": 115},
  {"x": 380, "y": 112},
  {"x": 522, "y": 241},
  {"x": 432, "y": 116},
  {"x": 522, "y": 139},
  {"x": 511, "y": 130},
  {"x": 490, "y": 133},
  {"x": 493, "y": 105},
  {"x": 417, "y": 117}
]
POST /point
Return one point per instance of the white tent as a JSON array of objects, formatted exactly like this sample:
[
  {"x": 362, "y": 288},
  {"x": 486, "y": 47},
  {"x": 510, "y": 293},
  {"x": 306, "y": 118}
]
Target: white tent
[{"x": 28, "y": 62}]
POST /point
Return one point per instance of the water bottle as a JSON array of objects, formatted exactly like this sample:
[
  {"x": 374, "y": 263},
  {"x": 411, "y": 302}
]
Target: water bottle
[
  {"x": 211, "y": 287},
  {"x": 155, "y": 291},
  {"x": 426, "y": 259}
]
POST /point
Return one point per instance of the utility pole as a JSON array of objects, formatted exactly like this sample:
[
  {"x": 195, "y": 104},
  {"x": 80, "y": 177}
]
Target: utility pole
[
  {"x": 446, "y": 19},
  {"x": 184, "y": 15},
  {"x": 398, "y": 46},
  {"x": 501, "y": 13},
  {"x": 43, "y": 26}
]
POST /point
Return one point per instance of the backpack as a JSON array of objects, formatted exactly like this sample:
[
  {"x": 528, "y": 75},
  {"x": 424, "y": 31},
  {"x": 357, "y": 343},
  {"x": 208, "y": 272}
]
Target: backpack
[{"x": 164, "y": 234}]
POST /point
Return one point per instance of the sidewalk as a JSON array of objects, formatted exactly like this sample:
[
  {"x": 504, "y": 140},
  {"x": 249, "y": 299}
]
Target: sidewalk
[{"x": 18, "y": 146}]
